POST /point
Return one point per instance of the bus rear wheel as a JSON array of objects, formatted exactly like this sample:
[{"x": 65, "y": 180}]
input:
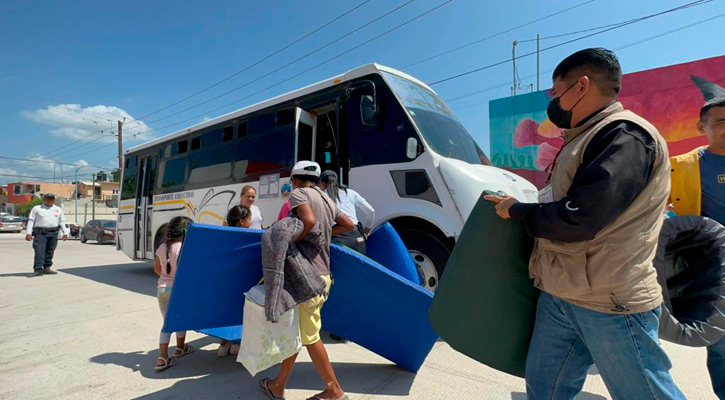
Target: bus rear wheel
[{"x": 429, "y": 253}]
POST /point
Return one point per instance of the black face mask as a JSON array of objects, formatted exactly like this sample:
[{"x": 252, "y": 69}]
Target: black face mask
[{"x": 559, "y": 116}]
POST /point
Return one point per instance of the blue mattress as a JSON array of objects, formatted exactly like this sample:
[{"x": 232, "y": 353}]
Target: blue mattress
[
  {"x": 387, "y": 248},
  {"x": 370, "y": 305},
  {"x": 229, "y": 333}
]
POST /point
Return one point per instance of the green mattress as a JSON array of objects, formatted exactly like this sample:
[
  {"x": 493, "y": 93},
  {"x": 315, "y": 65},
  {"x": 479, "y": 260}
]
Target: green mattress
[{"x": 485, "y": 305}]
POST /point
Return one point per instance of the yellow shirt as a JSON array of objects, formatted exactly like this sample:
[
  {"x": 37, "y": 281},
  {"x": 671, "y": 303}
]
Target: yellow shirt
[{"x": 686, "y": 193}]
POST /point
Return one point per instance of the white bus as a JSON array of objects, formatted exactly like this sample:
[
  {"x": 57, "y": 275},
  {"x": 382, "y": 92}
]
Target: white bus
[{"x": 388, "y": 135}]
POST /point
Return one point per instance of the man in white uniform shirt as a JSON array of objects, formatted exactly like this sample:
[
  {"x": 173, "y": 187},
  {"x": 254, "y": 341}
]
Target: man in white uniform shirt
[{"x": 44, "y": 221}]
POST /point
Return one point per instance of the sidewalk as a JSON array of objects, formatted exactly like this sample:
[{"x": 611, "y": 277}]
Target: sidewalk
[{"x": 91, "y": 332}]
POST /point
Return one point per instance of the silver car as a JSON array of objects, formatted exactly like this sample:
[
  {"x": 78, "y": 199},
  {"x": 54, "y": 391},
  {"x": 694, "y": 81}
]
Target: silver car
[{"x": 11, "y": 224}]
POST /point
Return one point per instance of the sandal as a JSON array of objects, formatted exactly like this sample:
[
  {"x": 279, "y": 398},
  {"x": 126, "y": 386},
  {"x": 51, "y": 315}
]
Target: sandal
[
  {"x": 188, "y": 349},
  {"x": 264, "y": 385},
  {"x": 168, "y": 363},
  {"x": 319, "y": 397}
]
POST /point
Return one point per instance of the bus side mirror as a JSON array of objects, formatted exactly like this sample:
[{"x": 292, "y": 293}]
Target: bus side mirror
[
  {"x": 411, "y": 149},
  {"x": 368, "y": 110}
]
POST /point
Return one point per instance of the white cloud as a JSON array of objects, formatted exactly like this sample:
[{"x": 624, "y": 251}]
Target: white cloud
[
  {"x": 9, "y": 175},
  {"x": 36, "y": 165},
  {"x": 8, "y": 171},
  {"x": 96, "y": 123}
]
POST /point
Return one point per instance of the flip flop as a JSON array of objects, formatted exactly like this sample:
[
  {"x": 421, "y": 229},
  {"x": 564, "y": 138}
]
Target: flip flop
[
  {"x": 318, "y": 397},
  {"x": 168, "y": 363},
  {"x": 264, "y": 385},
  {"x": 188, "y": 349}
]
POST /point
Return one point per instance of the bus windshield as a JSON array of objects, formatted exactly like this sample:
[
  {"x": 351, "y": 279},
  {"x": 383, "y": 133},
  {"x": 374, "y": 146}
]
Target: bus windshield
[{"x": 436, "y": 122}]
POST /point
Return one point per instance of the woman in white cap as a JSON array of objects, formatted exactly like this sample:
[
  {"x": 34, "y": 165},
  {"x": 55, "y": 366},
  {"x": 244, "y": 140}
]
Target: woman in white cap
[{"x": 312, "y": 206}]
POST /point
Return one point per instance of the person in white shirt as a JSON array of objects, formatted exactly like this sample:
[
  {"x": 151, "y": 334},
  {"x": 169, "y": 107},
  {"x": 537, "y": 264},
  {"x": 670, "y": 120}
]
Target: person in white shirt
[
  {"x": 44, "y": 221},
  {"x": 360, "y": 212},
  {"x": 246, "y": 199}
]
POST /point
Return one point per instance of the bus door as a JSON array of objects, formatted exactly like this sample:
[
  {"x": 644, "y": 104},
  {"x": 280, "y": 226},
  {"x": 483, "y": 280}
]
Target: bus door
[
  {"x": 144, "y": 207},
  {"x": 305, "y": 135}
]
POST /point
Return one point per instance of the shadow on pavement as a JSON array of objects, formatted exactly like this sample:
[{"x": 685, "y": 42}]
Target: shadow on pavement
[
  {"x": 15, "y": 274},
  {"x": 136, "y": 277},
  {"x": 208, "y": 376},
  {"x": 580, "y": 396}
]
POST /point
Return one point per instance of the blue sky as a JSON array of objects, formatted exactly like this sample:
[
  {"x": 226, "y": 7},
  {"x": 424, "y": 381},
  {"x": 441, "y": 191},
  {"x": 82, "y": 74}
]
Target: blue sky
[{"x": 67, "y": 68}]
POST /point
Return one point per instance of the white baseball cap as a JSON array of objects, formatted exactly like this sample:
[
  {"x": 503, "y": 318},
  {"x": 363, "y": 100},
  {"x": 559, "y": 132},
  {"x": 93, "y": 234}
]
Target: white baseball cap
[{"x": 309, "y": 168}]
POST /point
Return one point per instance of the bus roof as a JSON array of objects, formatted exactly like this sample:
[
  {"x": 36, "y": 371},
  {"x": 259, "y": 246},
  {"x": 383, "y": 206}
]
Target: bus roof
[{"x": 324, "y": 84}]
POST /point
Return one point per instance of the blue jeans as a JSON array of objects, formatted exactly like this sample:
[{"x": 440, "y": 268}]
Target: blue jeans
[
  {"x": 716, "y": 366},
  {"x": 44, "y": 245},
  {"x": 568, "y": 339}
]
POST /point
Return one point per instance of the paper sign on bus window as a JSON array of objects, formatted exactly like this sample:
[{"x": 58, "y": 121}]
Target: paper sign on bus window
[{"x": 269, "y": 186}]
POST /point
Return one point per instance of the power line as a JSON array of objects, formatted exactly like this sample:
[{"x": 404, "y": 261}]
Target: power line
[
  {"x": 688, "y": 5},
  {"x": 496, "y": 34},
  {"x": 575, "y": 32},
  {"x": 260, "y": 60},
  {"x": 79, "y": 146},
  {"x": 313, "y": 67},
  {"x": 47, "y": 161},
  {"x": 671, "y": 32},
  {"x": 507, "y": 83},
  {"x": 28, "y": 177},
  {"x": 53, "y": 110},
  {"x": 287, "y": 64},
  {"x": 75, "y": 141},
  {"x": 92, "y": 150}
]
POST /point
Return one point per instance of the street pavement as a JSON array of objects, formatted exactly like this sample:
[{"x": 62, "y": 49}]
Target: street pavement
[{"x": 92, "y": 332}]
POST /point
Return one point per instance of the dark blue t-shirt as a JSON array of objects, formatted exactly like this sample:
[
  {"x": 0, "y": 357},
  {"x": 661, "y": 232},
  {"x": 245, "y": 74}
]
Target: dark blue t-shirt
[{"x": 712, "y": 178}]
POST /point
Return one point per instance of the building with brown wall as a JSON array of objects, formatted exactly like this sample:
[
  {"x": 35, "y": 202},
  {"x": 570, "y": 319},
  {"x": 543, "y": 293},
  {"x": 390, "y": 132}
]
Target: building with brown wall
[{"x": 23, "y": 192}]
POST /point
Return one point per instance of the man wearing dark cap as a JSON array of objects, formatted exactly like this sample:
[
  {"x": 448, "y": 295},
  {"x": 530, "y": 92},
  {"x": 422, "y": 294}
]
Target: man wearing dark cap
[
  {"x": 596, "y": 228},
  {"x": 44, "y": 221}
]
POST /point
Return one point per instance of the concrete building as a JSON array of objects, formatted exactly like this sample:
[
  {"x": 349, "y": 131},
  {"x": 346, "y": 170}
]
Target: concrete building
[
  {"x": 104, "y": 190},
  {"x": 4, "y": 199}
]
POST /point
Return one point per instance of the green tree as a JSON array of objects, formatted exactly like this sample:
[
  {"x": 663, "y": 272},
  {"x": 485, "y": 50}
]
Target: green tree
[{"x": 24, "y": 209}]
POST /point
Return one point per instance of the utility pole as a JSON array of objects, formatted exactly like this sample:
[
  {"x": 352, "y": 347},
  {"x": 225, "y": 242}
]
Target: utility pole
[
  {"x": 77, "y": 194},
  {"x": 120, "y": 144},
  {"x": 513, "y": 59},
  {"x": 93, "y": 197},
  {"x": 537, "y": 62}
]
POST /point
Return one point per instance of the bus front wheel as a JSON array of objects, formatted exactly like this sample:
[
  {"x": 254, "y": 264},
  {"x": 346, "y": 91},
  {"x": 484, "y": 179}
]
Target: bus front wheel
[{"x": 429, "y": 253}]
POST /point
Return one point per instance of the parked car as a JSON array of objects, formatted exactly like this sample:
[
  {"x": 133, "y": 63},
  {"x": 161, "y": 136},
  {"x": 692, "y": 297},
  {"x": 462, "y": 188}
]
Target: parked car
[
  {"x": 24, "y": 220},
  {"x": 100, "y": 230},
  {"x": 11, "y": 224}
]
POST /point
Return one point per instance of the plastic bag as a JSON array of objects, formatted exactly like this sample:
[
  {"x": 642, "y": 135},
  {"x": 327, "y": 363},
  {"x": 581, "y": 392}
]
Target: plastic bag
[{"x": 264, "y": 343}]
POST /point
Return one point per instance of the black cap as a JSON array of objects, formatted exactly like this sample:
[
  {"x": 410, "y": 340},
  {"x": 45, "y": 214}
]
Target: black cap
[
  {"x": 325, "y": 176},
  {"x": 48, "y": 196}
]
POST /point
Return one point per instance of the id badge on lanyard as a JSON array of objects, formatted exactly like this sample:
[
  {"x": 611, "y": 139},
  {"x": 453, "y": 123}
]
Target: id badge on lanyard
[{"x": 546, "y": 195}]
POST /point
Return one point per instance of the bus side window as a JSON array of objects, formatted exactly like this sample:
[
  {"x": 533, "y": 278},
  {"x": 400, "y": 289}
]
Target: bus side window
[
  {"x": 129, "y": 179},
  {"x": 242, "y": 129},
  {"x": 258, "y": 154},
  {"x": 172, "y": 172},
  {"x": 210, "y": 158}
]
